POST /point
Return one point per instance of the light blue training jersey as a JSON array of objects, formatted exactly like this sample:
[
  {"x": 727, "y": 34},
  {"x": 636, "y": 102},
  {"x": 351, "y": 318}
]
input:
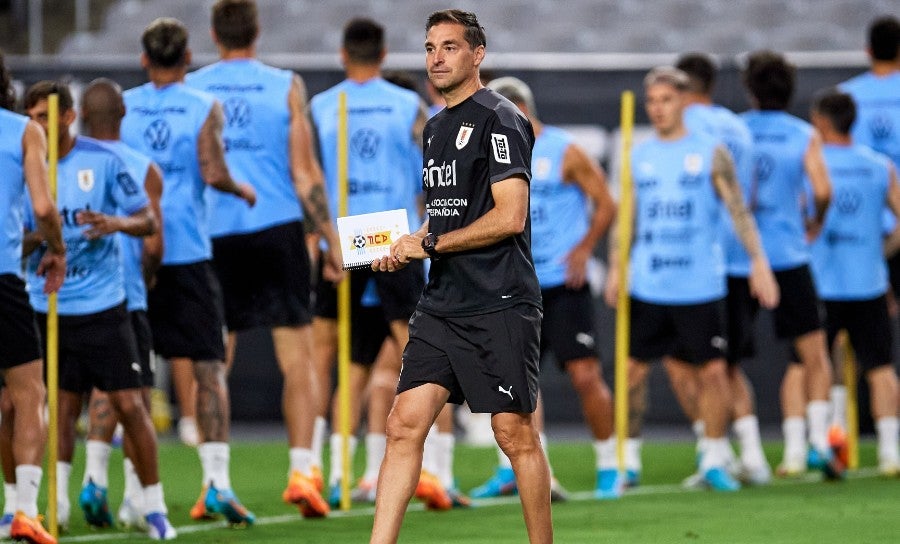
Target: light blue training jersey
[
  {"x": 164, "y": 123},
  {"x": 384, "y": 163},
  {"x": 877, "y": 122},
  {"x": 559, "y": 212},
  {"x": 780, "y": 142},
  {"x": 729, "y": 129},
  {"x": 676, "y": 256},
  {"x": 12, "y": 191},
  {"x": 847, "y": 257},
  {"x": 132, "y": 247},
  {"x": 90, "y": 177},
  {"x": 254, "y": 98}
]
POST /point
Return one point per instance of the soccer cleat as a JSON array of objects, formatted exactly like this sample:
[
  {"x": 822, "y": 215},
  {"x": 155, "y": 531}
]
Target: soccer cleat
[
  {"x": 503, "y": 482},
  {"x": 302, "y": 492},
  {"x": 317, "y": 478},
  {"x": 5, "y": 524},
  {"x": 886, "y": 469},
  {"x": 364, "y": 491},
  {"x": 632, "y": 477},
  {"x": 830, "y": 464},
  {"x": 719, "y": 479},
  {"x": 29, "y": 529},
  {"x": 214, "y": 501},
  {"x": 755, "y": 475},
  {"x": 558, "y": 493},
  {"x": 159, "y": 528},
  {"x": 432, "y": 492},
  {"x": 129, "y": 516},
  {"x": 837, "y": 440},
  {"x": 694, "y": 481},
  {"x": 334, "y": 495},
  {"x": 610, "y": 484},
  {"x": 459, "y": 499},
  {"x": 92, "y": 500}
]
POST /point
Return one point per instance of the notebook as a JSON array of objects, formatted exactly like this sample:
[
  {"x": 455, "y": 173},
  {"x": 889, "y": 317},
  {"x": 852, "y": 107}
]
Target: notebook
[{"x": 367, "y": 237}]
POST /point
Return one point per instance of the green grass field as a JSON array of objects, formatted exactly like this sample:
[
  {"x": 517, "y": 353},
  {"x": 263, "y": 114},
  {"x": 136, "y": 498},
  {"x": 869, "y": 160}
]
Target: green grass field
[{"x": 864, "y": 509}]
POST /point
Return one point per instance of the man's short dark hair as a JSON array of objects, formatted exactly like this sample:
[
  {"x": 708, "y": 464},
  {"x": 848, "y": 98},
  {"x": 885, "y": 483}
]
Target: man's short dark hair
[
  {"x": 884, "y": 38},
  {"x": 770, "y": 79},
  {"x": 474, "y": 33},
  {"x": 364, "y": 41},
  {"x": 165, "y": 42},
  {"x": 235, "y": 22},
  {"x": 701, "y": 71},
  {"x": 836, "y": 106},
  {"x": 43, "y": 89},
  {"x": 7, "y": 91}
]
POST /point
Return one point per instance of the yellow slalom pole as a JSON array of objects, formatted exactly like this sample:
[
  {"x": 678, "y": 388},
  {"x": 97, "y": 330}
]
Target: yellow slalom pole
[
  {"x": 52, "y": 359},
  {"x": 343, "y": 311},
  {"x": 849, "y": 367},
  {"x": 623, "y": 305}
]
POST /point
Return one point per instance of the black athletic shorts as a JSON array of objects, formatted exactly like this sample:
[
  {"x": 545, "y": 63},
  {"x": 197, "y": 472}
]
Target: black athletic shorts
[
  {"x": 96, "y": 350},
  {"x": 264, "y": 277},
  {"x": 800, "y": 311},
  {"x": 568, "y": 328},
  {"x": 185, "y": 312},
  {"x": 398, "y": 291},
  {"x": 741, "y": 311},
  {"x": 868, "y": 325},
  {"x": 368, "y": 331},
  {"x": 695, "y": 333},
  {"x": 491, "y": 361},
  {"x": 19, "y": 339},
  {"x": 143, "y": 338}
]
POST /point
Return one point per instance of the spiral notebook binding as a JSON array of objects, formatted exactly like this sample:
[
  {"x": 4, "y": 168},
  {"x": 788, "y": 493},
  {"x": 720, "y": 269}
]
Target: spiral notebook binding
[{"x": 357, "y": 266}]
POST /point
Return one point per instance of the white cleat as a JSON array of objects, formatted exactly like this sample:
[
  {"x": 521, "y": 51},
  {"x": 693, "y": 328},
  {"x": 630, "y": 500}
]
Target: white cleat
[
  {"x": 694, "y": 481},
  {"x": 756, "y": 475},
  {"x": 159, "y": 528},
  {"x": 130, "y": 516}
]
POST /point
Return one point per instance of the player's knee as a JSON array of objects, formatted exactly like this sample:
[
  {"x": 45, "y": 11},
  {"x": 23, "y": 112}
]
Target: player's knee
[
  {"x": 584, "y": 378},
  {"x": 516, "y": 440},
  {"x": 404, "y": 426}
]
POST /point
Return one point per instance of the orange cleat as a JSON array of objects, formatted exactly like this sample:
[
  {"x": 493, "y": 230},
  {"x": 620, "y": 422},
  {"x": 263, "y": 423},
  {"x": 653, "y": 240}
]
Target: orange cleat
[
  {"x": 301, "y": 490},
  {"x": 837, "y": 439},
  {"x": 30, "y": 530},
  {"x": 317, "y": 479},
  {"x": 199, "y": 511},
  {"x": 432, "y": 492}
]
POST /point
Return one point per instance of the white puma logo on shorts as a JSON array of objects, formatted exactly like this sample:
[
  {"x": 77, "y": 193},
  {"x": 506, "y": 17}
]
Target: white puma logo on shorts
[{"x": 505, "y": 391}]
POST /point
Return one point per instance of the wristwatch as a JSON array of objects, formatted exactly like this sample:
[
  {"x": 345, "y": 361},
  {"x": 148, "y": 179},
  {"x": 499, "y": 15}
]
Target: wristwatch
[{"x": 428, "y": 242}]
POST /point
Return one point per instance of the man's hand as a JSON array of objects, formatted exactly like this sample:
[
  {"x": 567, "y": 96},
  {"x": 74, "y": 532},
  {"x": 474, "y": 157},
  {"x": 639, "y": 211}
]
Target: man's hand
[
  {"x": 332, "y": 266},
  {"x": 101, "y": 224},
  {"x": 403, "y": 251},
  {"x": 763, "y": 285},
  {"x": 247, "y": 193},
  {"x": 576, "y": 267},
  {"x": 53, "y": 268},
  {"x": 611, "y": 289}
]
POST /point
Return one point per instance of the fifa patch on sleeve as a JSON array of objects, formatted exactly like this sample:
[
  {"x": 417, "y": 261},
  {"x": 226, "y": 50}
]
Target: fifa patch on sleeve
[{"x": 501, "y": 148}]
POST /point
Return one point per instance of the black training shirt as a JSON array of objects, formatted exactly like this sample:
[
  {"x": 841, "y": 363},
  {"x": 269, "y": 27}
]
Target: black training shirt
[{"x": 467, "y": 148}]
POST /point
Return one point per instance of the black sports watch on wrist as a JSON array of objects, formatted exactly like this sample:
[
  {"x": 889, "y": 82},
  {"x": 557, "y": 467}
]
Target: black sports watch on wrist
[{"x": 428, "y": 242}]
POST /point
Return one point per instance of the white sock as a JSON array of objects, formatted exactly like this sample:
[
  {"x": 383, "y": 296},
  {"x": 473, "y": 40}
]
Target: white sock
[
  {"x": 817, "y": 418},
  {"x": 887, "y": 429},
  {"x": 605, "y": 454},
  {"x": 28, "y": 483},
  {"x": 9, "y": 498},
  {"x": 215, "y": 460},
  {"x": 301, "y": 460},
  {"x": 63, "y": 473},
  {"x": 794, "y": 430},
  {"x": 839, "y": 406},
  {"x": 633, "y": 454},
  {"x": 96, "y": 464},
  {"x": 429, "y": 452},
  {"x": 133, "y": 489},
  {"x": 318, "y": 440},
  {"x": 747, "y": 430},
  {"x": 444, "y": 443},
  {"x": 699, "y": 428},
  {"x": 375, "y": 444},
  {"x": 153, "y": 499},
  {"x": 337, "y": 466},
  {"x": 715, "y": 453},
  {"x": 502, "y": 460}
]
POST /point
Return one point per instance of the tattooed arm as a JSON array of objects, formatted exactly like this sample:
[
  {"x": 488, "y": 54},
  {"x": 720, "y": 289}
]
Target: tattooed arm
[
  {"x": 211, "y": 155},
  {"x": 762, "y": 283}
]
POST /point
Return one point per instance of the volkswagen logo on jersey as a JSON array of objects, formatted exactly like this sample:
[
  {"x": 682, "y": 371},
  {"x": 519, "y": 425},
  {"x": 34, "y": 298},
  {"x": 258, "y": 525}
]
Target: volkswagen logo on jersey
[
  {"x": 364, "y": 143},
  {"x": 880, "y": 127},
  {"x": 462, "y": 137},
  {"x": 765, "y": 164},
  {"x": 237, "y": 112},
  {"x": 847, "y": 201},
  {"x": 157, "y": 135}
]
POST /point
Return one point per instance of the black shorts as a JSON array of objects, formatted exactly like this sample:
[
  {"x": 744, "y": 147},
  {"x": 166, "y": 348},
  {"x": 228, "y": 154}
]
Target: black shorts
[
  {"x": 741, "y": 311},
  {"x": 490, "y": 361},
  {"x": 96, "y": 350},
  {"x": 568, "y": 330},
  {"x": 800, "y": 311},
  {"x": 368, "y": 331},
  {"x": 695, "y": 333},
  {"x": 265, "y": 277},
  {"x": 19, "y": 336},
  {"x": 868, "y": 325},
  {"x": 143, "y": 338},
  {"x": 399, "y": 292},
  {"x": 185, "y": 312}
]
